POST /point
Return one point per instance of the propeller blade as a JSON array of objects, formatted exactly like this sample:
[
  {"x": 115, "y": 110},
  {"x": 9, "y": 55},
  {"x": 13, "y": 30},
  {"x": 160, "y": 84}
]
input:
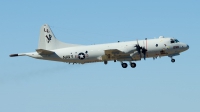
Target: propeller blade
[
  {"x": 144, "y": 52},
  {"x": 138, "y": 48}
]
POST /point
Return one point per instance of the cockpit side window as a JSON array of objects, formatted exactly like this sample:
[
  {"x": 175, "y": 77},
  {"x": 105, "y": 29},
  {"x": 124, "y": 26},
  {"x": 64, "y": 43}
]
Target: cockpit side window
[{"x": 172, "y": 41}]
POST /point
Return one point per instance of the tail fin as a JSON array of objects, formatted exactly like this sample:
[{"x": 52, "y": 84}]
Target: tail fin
[{"x": 48, "y": 41}]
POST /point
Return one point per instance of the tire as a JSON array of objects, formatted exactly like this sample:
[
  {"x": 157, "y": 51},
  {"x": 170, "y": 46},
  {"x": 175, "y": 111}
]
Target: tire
[
  {"x": 105, "y": 62},
  {"x": 173, "y": 60},
  {"x": 133, "y": 65},
  {"x": 124, "y": 65}
]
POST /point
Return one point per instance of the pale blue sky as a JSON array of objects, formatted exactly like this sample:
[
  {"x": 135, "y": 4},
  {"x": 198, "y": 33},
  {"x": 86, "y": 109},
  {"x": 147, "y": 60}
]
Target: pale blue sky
[{"x": 30, "y": 85}]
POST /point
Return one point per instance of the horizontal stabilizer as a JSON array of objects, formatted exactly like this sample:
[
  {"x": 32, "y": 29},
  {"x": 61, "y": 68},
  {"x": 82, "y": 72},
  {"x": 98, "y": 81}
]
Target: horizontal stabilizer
[
  {"x": 44, "y": 52},
  {"x": 13, "y": 55}
]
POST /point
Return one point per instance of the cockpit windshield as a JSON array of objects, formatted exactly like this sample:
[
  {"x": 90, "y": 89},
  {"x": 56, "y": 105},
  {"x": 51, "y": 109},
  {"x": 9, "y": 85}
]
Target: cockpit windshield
[{"x": 174, "y": 41}]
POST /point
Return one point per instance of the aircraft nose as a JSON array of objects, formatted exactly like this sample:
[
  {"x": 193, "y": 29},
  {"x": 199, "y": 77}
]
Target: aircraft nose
[{"x": 188, "y": 46}]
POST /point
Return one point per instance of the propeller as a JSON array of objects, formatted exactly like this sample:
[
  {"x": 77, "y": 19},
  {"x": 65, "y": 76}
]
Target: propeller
[
  {"x": 139, "y": 48},
  {"x": 144, "y": 51}
]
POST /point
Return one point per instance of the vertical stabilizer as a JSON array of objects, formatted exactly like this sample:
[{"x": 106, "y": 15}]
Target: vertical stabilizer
[{"x": 48, "y": 41}]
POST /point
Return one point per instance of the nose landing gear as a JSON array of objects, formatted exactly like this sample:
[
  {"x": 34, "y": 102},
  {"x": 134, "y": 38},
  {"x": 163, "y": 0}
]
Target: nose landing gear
[
  {"x": 171, "y": 56},
  {"x": 172, "y": 60}
]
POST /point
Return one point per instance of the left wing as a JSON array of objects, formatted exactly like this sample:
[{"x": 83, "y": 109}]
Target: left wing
[{"x": 115, "y": 54}]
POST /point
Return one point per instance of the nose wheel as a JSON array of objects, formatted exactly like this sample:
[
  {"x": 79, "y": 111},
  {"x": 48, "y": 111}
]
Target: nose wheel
[{"x": 172, "y": 60}]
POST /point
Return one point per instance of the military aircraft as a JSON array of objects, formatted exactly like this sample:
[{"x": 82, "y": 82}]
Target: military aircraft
[{"x": 49, "y": 48}]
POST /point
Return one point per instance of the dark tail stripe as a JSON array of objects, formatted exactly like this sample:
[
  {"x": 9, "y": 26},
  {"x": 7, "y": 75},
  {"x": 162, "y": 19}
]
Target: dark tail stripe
[{"x": 13, "y": 55}]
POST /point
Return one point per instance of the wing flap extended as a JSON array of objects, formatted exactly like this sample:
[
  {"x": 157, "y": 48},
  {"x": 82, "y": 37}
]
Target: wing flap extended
[{"x": 44, "y": 52}]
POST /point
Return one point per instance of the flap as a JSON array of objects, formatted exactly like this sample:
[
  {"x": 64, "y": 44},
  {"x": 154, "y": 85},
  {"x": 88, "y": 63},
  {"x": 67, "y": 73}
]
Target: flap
[{"x": 44, "y": 52}]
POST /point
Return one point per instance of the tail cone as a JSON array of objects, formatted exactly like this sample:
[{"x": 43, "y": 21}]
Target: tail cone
[{"x": 14, "y": 55}]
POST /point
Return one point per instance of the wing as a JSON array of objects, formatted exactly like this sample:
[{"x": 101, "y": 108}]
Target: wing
[{"x": 115, "y": 54}]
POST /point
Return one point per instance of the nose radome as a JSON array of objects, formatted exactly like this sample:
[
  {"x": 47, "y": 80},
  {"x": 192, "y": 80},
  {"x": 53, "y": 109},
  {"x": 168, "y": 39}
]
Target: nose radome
[{"x": 188, "y": 46}]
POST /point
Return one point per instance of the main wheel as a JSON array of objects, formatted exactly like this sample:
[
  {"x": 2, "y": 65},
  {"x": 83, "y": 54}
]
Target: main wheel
[
  {"x": 173, "y": 60},
  {"x": 124, "y": 65},
  {"x": 133, "y": 65}
]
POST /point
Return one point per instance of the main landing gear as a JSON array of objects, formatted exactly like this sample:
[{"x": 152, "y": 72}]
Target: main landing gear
[
  {"x": 105, "y": 62},
  {"x": 133, "y": 65},
  {"x": 124, "y": 65}
]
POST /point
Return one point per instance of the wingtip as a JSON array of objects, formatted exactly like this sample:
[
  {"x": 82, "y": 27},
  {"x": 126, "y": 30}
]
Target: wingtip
[{"x": 13, "y": 55}]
